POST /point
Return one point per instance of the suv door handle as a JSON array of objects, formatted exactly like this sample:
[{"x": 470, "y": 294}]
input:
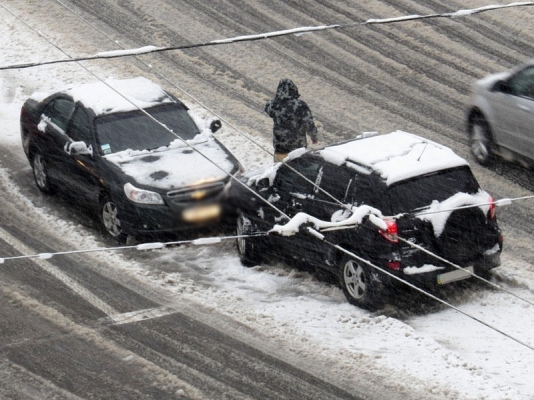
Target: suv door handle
[{"x": 523, "y": 107}]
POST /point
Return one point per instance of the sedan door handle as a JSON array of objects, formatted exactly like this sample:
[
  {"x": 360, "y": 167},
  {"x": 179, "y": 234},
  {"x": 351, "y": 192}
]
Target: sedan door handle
[{"x": 523, "y": 107}]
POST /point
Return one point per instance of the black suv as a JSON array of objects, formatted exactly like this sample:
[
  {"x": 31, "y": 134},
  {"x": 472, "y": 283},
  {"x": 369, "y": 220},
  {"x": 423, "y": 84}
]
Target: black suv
[
  {"x": 96, "y": 143},
  {"x": 425, "y": 196}
]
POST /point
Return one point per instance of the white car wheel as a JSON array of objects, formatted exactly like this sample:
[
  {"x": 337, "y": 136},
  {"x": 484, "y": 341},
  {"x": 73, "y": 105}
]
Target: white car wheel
[{"x": 481, "y": 141}]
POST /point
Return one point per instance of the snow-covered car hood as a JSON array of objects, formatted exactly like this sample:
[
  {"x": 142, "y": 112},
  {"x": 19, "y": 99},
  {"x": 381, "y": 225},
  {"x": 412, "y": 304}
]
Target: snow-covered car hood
[{"x": 175, "y": 166}]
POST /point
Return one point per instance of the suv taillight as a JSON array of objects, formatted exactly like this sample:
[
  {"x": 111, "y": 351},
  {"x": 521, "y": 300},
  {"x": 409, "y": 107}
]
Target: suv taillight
[
  {"x": 390, "y": 234},
  {"x": 492, "y": 212}
]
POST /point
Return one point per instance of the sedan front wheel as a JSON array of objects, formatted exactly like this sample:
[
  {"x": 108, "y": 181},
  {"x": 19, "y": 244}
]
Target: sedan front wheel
[{"x": 109, "y": 214}]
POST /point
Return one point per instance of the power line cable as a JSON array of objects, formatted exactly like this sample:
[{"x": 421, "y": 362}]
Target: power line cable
[
  {"x": 232, "y": 176},
  {"x": 270, "y": 204},
  {"x": 355, "y": 256},
  {"x": 268, "y": 35},
  {"x": 444, "y": 260},
  {"x": 243, "y": 134},
  {"x": 314, "y": 233},
  {"x": 143, "y": 246},
  {"x": 246, "y": 136}
]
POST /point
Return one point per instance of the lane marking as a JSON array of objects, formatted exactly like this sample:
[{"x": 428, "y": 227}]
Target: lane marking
[
  {"x": 59, "y": 275},
  {"x": 110, "y": 312},
  {"x": 141, "y": 315}
]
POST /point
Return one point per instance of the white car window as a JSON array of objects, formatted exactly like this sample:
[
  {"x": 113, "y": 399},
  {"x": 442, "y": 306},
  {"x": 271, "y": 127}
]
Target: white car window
[{"x": 522, "y": 84}]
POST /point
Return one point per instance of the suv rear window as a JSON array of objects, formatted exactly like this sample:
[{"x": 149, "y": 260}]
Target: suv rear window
[{"x": 423, "y": 190}]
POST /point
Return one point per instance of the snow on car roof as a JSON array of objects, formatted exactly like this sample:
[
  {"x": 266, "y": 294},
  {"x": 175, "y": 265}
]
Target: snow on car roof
[
  {"x": 119, "y": 95},
  {"x": 396, "y": 156}
]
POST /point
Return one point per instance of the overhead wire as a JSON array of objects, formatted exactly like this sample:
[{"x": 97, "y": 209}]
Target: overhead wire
[
  {"x": 141, "y": 247},
  {"x": 206, "y": 107},
  {"x": 207, "y": 241},
  {"x": 270, "y": 204},
  {"x": 232, "y": 176},
  {"x": 367, "y": 262},
  {"x": 183, "y": 91},
  {"x": 274, "y": 34},
  {"x": 267, "y": 35}
]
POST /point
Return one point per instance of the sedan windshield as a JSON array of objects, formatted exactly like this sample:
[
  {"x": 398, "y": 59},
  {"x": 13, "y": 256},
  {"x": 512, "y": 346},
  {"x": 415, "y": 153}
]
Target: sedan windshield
[
  {"x": 136, "y": 131},
  {"x": 421, "y": 191}
]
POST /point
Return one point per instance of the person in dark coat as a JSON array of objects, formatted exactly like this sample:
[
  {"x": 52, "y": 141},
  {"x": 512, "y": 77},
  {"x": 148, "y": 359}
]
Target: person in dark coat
[{"x": 292, "y": 119}]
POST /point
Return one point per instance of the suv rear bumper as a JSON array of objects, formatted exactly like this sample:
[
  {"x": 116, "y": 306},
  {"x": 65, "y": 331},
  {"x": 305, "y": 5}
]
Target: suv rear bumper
[{"x": 434, "y": 274}]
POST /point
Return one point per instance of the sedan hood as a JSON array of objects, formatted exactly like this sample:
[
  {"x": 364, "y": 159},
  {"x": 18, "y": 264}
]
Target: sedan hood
[{"x": 175, "y": 166}]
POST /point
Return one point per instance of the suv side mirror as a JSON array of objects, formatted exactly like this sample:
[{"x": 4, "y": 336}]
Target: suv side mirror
[
  {"x": 78, "y": 148},
  {"x": 215, "y": 125},
  {"x": 502, "y": 86}
]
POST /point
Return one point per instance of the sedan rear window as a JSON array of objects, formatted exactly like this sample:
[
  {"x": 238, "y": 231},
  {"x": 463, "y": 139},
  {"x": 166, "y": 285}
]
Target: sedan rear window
[
  {"x": 136, "y": 131},
  {"x": 423, "y": 190}
]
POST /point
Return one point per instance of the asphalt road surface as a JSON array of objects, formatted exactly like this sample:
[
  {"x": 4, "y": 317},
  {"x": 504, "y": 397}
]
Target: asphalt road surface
[{"x": 72, "y": 327}]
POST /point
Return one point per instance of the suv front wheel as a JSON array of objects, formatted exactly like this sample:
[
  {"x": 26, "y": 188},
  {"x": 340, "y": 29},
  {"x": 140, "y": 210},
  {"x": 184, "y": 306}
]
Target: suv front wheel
[
  {"x": 247, "y": 247},
  {"x": 357, "y": 284}
]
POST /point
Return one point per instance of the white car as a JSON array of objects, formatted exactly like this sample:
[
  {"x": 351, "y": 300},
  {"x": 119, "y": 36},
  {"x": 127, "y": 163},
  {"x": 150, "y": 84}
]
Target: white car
[{"x": 500, "y": 118}]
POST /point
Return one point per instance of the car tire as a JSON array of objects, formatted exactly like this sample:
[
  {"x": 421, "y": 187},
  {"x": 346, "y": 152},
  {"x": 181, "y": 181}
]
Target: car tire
[
  {"x": 40, "y": 173},
  {"x": 481, "y": 140},
  {"x": 109, "y": 215},
  {"x": 247, "y": 247},
  {"x": 357, "y": 283}
]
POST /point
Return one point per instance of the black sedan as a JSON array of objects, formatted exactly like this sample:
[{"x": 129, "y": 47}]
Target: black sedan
[{"x": 131, "y": 151}]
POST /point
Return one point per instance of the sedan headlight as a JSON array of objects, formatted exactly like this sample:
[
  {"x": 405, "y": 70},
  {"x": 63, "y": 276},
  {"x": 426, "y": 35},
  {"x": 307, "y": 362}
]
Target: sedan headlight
[{"x": 142, "y": 196}]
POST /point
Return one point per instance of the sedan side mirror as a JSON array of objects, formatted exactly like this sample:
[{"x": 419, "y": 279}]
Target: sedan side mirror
[
  {"x": 215, "y": 125},
  {"x": 78, "y": 148}
]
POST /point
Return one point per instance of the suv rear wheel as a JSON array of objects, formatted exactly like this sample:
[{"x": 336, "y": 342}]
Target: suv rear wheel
[{"x": 357, "y": 283}]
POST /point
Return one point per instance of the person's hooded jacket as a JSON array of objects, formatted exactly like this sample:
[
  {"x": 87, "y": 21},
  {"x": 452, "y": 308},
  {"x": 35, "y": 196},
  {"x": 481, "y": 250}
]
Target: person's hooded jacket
[{"x": 292, "y": 118}]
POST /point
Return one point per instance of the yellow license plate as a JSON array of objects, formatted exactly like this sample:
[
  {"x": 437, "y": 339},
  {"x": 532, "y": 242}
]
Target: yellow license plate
[{"x": 202, "y": 213}]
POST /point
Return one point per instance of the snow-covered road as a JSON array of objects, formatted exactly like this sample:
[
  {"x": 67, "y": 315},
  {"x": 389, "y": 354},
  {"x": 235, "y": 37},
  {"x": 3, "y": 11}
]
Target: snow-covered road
[{"x": 440, "y": 354}]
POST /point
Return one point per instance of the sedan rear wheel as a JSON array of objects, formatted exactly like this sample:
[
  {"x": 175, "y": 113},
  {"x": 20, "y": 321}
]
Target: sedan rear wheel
[
  {"x": 481, "y": 141},
  {"x": 358, "y": 285},
  {"x": 109, "y": 214},
  {"x": 40, "y": 173}
]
